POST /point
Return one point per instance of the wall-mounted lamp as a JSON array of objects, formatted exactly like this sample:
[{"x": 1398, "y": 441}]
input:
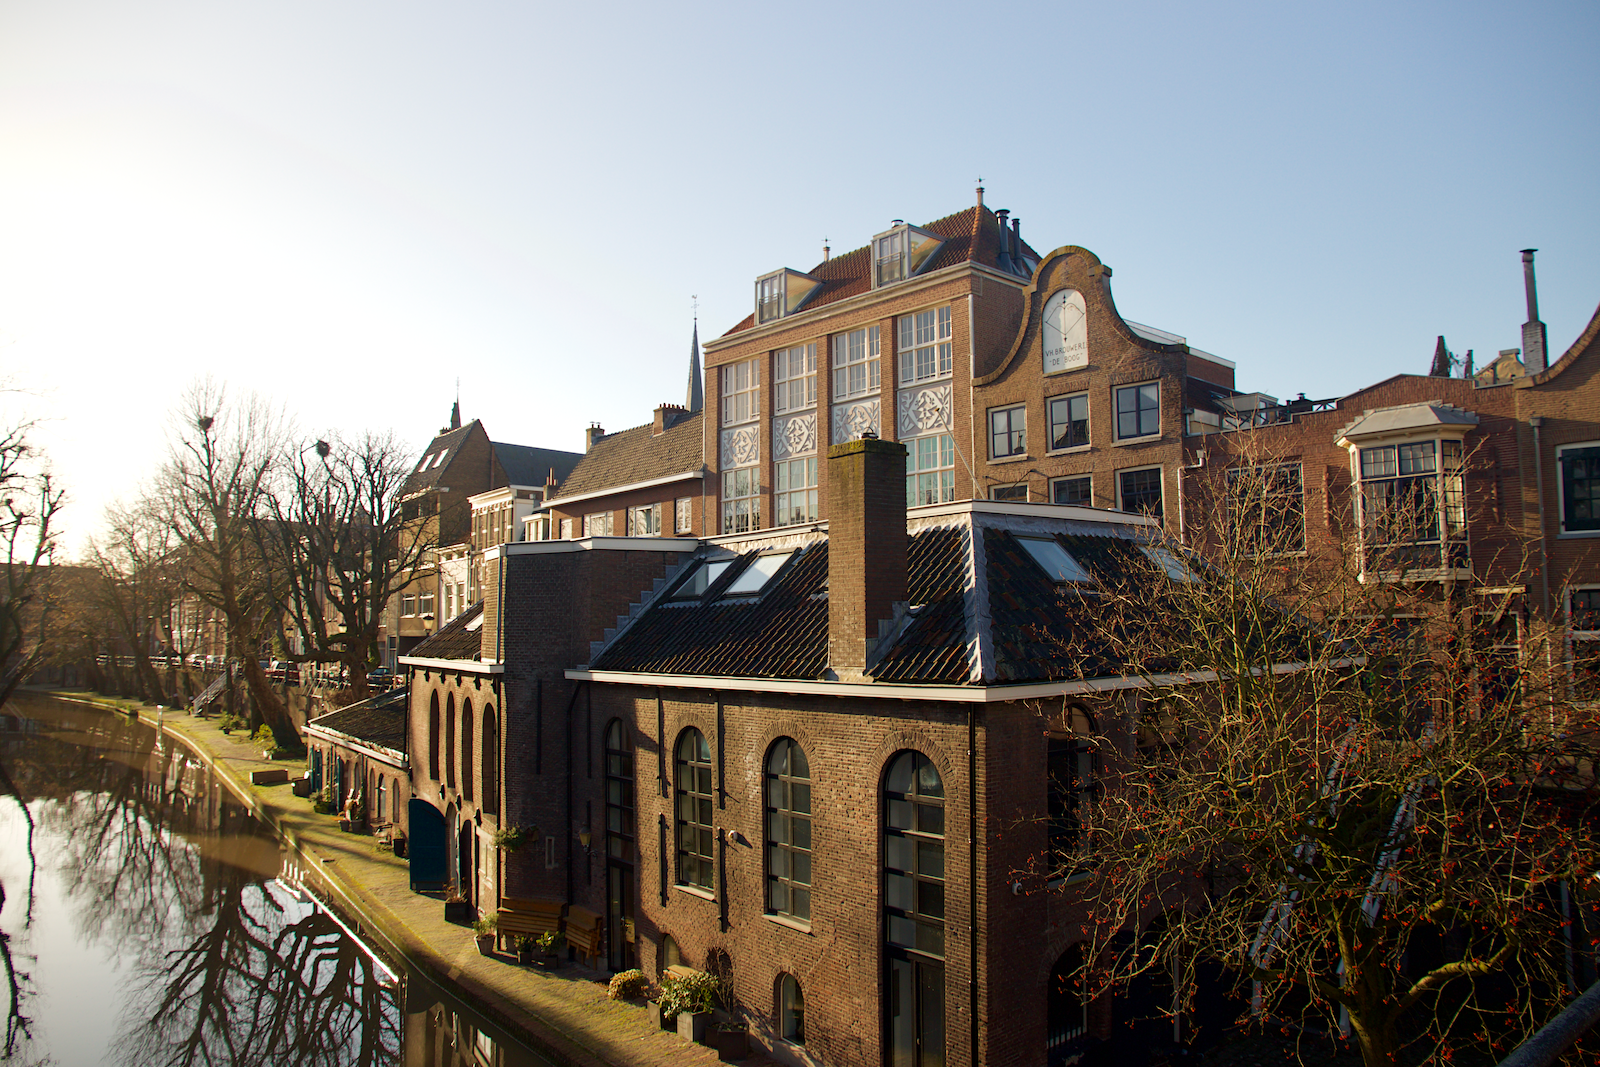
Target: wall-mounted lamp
[{"x": 584, "y": 837}]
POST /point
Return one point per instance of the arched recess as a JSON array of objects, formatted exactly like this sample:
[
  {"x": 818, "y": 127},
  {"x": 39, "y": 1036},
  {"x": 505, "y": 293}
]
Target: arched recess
[
  {"x": 914, "y": 913},
  {"x": 491, "y": 760},
  {"x": 1072, "y": 773},
  {"x": 433, "y": 736},
  {"x": 1066, "y": 1008},
  {"x": 791, "y": 1009},
  {"x": 450, "y": 741},
  {"x": 468, "y": 756}
]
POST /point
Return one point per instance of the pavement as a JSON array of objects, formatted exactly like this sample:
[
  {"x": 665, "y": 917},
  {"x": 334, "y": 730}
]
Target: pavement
[{"x": 563, "y": 1015}]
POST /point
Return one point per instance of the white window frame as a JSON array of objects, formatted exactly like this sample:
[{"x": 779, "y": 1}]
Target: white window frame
[
  {"x": 794, "y": 379},
  {"x": 996, "y": 490},
  {"x": 1575, "y": 638},
  {"x": 924, "y": 348},
  {"x": 1050, "y": 423},
  {"x": 1116, "y": 410},
  {"x": 684, "y": 515},
  {"x": 1018, "y": 446},
  {"x": 856, "y": 363},
  {"x": 794, "y": 502},
  {"x": 1561, "y": 486},
  {"x": 598, "y": 524},
  {"x": 1054, "y": 482},
  {"x": 741, "y": 511},
  {"x": 644, "y": 521},
  {"x": 741, "y": 392},
  {"x": 941, "y": 476},
  {"x": 1449, "y": 503},
  {"x": 1161, "y": 480}
]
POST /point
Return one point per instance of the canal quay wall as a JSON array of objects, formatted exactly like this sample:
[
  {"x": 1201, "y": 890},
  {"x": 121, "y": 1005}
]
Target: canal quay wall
[{"x": 563, "y": 1015}]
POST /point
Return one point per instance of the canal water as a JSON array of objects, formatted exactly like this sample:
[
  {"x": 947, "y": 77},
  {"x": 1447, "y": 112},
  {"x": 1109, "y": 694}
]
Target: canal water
[{"x": 147, "y": 918}]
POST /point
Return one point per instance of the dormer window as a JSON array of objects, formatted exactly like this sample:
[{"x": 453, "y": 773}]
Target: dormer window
[
  {"x": 901, "y": 253},
  {"x": 782, "y": 293},
  {"x": 1056, "y": 561}
]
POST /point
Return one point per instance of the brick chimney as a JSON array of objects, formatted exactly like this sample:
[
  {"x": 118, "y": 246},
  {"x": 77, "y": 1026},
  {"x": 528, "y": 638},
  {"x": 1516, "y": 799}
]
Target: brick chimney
[
  {"x": 666, "y": 416},
  {"x": 1534, "y": 341},
  {"x": 866, "y": 546},
  {"x": 591, "y": 435}
]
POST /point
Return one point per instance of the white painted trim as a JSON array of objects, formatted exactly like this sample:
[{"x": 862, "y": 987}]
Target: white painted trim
[
  {"x": 561, "y": 501},
  {"x": 591, "y": 544},
  {"x": 466, "y": 666},
  {"x": 377, "y": 752}
]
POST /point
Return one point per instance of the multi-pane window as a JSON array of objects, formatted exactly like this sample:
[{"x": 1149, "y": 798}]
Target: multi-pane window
[
  {"x": 619, "y": 793},
  {"x": 408, "y": 603},
  {"x": 930, "y": 470},
  {"x": 791, "y": 1010},
  {"x": 1070, "y": 765},
  {"x": 741, "y": 500},
  {"x": 645, "y": 521},
  {"x": 795, "y": 499},
  {"x": 1139, "y": 410},
  {"x": 597, "y": 524},
  {"x": 1078, "y": 491},
  {"x": 1066, "y": 1008},
  {"x": 1069, "y": 421},
  {"x": 788, "y": 831},
  {"x": 425, "y": 603},
  {"x": 684, "y": 515},
  {"x": 794, "y": 379},
  {"x": 1140, "y": 490},
  {"x": 1413, "y": 513},
  {"x": 1267, "y": 508},
  {"x": 1580, "y": 488},
  {"x": 913, "y": 910},
  {"x": 1008, "y": 431},
  {"x": 1583, "y": 624},
  {"x": 855, "y": 363},
  {"x": 1016, "y": 492},
  {"x": 741, "y": 392},
  {"x": 924, "y": 347},
  {"x": 695, "y": 834},
  {"x": 769, "y": 298}
]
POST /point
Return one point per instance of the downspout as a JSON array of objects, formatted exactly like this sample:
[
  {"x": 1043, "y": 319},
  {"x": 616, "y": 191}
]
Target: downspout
[
  {"x": 972, "y": 870},
  {"x": 1536, "y": 422},
  {"x": 580, "y": 687}
]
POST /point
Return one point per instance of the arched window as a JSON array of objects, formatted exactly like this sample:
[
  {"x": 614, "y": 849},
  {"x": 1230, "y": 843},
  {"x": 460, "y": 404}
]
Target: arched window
[
  {"x": 395, "y": 818},
  {"x": 379, "y": 808},
  {"x": 791, "y": 1010},
  {"x": 619, "y": 793},
  {"x": 671, "y": 954},
  {"x": 468, "y": 756},
  {"x": 433, "y": 737},
  {"x": 913, "y": 905},
  {"x": 694, "y": 810},
  {"x": 450, "y": 741},
  {"x": 1071, "y": 762},
  {"x": 1067, "y": 1013},
  {"x": 491, "y": 760},
  {"x": 788, "y": 830}
]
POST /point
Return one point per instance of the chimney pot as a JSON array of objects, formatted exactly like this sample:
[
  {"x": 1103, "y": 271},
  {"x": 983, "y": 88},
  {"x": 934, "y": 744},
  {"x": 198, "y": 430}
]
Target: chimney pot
[{"x": 980, "y": 196}]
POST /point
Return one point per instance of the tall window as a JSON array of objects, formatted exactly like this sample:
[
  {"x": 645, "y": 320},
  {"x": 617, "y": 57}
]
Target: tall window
[
  {"x": 855, "y": 363},
  {"x": 450, "y": 741},
  {"x": 684, "y": 513},
  {"x": 619, "y": 793},
  {"x": 1139, "y": 410},
  {"x": 1580, "y": 488},
  {"x": 796, "y": 497},
  {"x": 794, "y": 379},
  {"x": 469, "y": 758},
  {"x": 433, "y": 737},
  {"x": 1583, "y": 624},
  {"x": 1069, "y": 421},
  {"x": 1067, "y": 1010},
  {"x": 741, "y": 392},
  {"x": 1008, "y": 431},
  {"x": 930, "y": 470},
  {"x": 1078, "y": 491},
  {"x": 788, "y": 830},
  {"x": 741, "y": 500},
  {"x": 1267, "y": 507},
  {"x": 791, "y": 1010},
  {"x": 645, "y": 521},
  {"x": 379, "y": 796},
  {"x": 924, "y": 347},
  {"x": 1070, "y": 763},
  {"x": 491, "y": 760},
  {"x": 913, "y": 896},
  {"x": 1413, "y": 513},
  {"x": 1140, "y": 490},
  {"x": 694, "y": 810}
]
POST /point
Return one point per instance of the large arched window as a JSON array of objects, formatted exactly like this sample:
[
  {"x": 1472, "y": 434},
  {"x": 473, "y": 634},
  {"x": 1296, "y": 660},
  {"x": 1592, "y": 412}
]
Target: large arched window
[
  {"x": 1071, "y": 762},
  {"x": 450, "y": 741},
  {"x": 788, "y": 804},
  {"x": 468, "y": 756},
  {"x": 694, "y": 810},
  {"x": 433, "y": 737},
  {"x": 791, "y": 1010},
  {"x": 1067, "y": 1012},
  {"x": 491, "y": 760},
  {"x": 913, "y": 906},
  {"x": 619, "y": 793}
]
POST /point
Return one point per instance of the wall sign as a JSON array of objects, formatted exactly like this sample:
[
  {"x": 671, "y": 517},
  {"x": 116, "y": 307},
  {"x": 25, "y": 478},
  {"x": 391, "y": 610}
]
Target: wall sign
[{"x": 1066, "y": 332}]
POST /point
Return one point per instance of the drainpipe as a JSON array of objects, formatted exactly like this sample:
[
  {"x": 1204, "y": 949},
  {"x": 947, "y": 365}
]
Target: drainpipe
[
  {"x": 1537, "y": 422},
  {"x": 568, "y": 821},
  {"x": 972, "y": 868}
]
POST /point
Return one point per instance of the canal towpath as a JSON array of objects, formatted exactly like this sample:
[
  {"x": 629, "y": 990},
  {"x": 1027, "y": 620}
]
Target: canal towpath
[{"x": 564, "y": 1015}]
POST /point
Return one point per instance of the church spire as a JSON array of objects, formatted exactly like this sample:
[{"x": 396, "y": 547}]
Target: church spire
[{"x": 696, "y": 398}]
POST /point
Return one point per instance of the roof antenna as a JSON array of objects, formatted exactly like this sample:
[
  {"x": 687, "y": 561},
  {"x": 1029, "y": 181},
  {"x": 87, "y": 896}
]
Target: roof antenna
[
  {"x": 980, "y": 190},
  {"x": 826, "y": 251}
]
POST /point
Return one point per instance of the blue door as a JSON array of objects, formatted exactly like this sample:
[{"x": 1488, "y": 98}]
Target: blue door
[{"x": 426, "y": 846}]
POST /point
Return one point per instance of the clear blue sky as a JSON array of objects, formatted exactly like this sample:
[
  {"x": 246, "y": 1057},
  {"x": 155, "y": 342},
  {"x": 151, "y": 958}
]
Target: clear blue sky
[{"x": 350, "y": 205}]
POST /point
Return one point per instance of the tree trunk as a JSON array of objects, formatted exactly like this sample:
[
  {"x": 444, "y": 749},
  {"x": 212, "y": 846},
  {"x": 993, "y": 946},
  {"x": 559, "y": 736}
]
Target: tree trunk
[
  {"x": 273, "y": 711},
  {"x": 1380, "y": 1046}
]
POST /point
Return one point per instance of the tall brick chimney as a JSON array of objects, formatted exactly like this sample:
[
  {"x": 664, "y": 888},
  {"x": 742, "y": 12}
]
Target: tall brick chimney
[
  {"x": 1534, "y": 352},
  {"x": 866, "y": 546}
]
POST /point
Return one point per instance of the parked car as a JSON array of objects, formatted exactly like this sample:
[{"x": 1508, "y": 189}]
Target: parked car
[
  {"x": 284, "y": 671},
  {"x": 381, "y": 678}
]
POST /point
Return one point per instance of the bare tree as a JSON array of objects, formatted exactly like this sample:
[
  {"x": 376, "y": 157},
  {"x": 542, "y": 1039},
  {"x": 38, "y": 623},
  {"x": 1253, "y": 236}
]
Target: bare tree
[
  {"x": 338, "y": 536},
  {"x": 139, "y": 579},
  {"x": 213, "y": 492},
  {"x": 29, "y": 503},
  {"x": 1358, "y": 795}
]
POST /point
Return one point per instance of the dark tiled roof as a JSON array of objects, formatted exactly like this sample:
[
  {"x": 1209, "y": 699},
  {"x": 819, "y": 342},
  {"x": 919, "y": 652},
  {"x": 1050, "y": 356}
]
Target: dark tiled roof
[
  {"x": 971, "y": 236},
  {"x": 380, "y": 720},
  {"x": 637, "y": 455},
  {"x": 454, "y": 640},
  {"x": 527, "y": 465},
  {"x": 450, "y": 441},
  {"x": 933, "y": 646}
]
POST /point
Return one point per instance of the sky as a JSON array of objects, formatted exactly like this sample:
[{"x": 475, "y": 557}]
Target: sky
[{"x": 349, "y": 207}]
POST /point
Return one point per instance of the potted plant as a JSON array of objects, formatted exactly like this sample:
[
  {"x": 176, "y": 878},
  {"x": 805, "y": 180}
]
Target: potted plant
[
  {"x": 526, "y": 946},
  {"x": 511, "y": 838},
  {"x": 322, "y": 801},
  {"x": 483, "y": 931},
  {"x": 689, "y": 1001},
  {"x": 456, "y": 908},
  {"x": 628, "y": 985},
  {"x": 550, "y": 944}
]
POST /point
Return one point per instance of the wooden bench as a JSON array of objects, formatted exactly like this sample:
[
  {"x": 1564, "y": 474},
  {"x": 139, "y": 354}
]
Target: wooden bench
[
  {"x": 585, "y": 932},
  {"x": 525, "y": 917}
]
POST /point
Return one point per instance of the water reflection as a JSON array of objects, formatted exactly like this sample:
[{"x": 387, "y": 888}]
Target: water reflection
[{"x": 142, "y": 921}]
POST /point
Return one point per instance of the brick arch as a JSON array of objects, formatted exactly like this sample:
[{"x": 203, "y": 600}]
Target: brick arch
[
  {"x": 913, "y": 738},
  {"x": 805, "y": 738}
]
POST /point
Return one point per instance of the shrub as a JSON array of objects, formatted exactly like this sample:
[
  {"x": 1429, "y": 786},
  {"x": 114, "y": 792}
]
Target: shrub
[
  {"x": 697, "y": 993},
  {"x": 229, "y": 722},
  {"x": 484, "y": 927},
  {"x": 511, "y": 838},
  {"x": 266, "y": 739},
  {"x": 322, "y": 802},
  {"x": 551, "y": 941},
  {"x": 628, "y": 985}
]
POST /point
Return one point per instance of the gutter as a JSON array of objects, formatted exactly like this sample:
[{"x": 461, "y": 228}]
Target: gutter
[
  {"x": 562, "y": 501},
  {"x": 371, "y": 750}
]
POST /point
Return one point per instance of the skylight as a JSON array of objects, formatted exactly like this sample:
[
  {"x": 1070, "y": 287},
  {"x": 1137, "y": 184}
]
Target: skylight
[
  {"x": 1056, "y": 561},
  {"x": 756, "y": 576},
  {"x": 1168, "y": 561},
  {"x": 704, "y": 575}
]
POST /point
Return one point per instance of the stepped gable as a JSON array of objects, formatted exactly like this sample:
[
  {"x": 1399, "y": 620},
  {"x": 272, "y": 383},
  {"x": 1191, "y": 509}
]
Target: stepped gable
[
  {"x": 637, "y": 455},
  {"x": 460, "y": 638}
]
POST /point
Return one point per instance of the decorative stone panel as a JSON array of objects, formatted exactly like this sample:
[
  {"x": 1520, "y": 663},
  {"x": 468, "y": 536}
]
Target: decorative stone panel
[
  {"x": 741, "y": 446},
  {"x": 852, "y": 420},
  {"x": 924, "y": 410},
  {"x": 794, "y": 436}
]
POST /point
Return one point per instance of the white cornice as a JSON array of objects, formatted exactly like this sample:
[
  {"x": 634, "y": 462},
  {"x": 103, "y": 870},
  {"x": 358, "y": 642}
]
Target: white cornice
[
  {"x": 465, "y": 666},
  {"x": 591, "y": 544},
  {"x": 391, "y": 756},
  {"x": 560, "y": 501}
]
